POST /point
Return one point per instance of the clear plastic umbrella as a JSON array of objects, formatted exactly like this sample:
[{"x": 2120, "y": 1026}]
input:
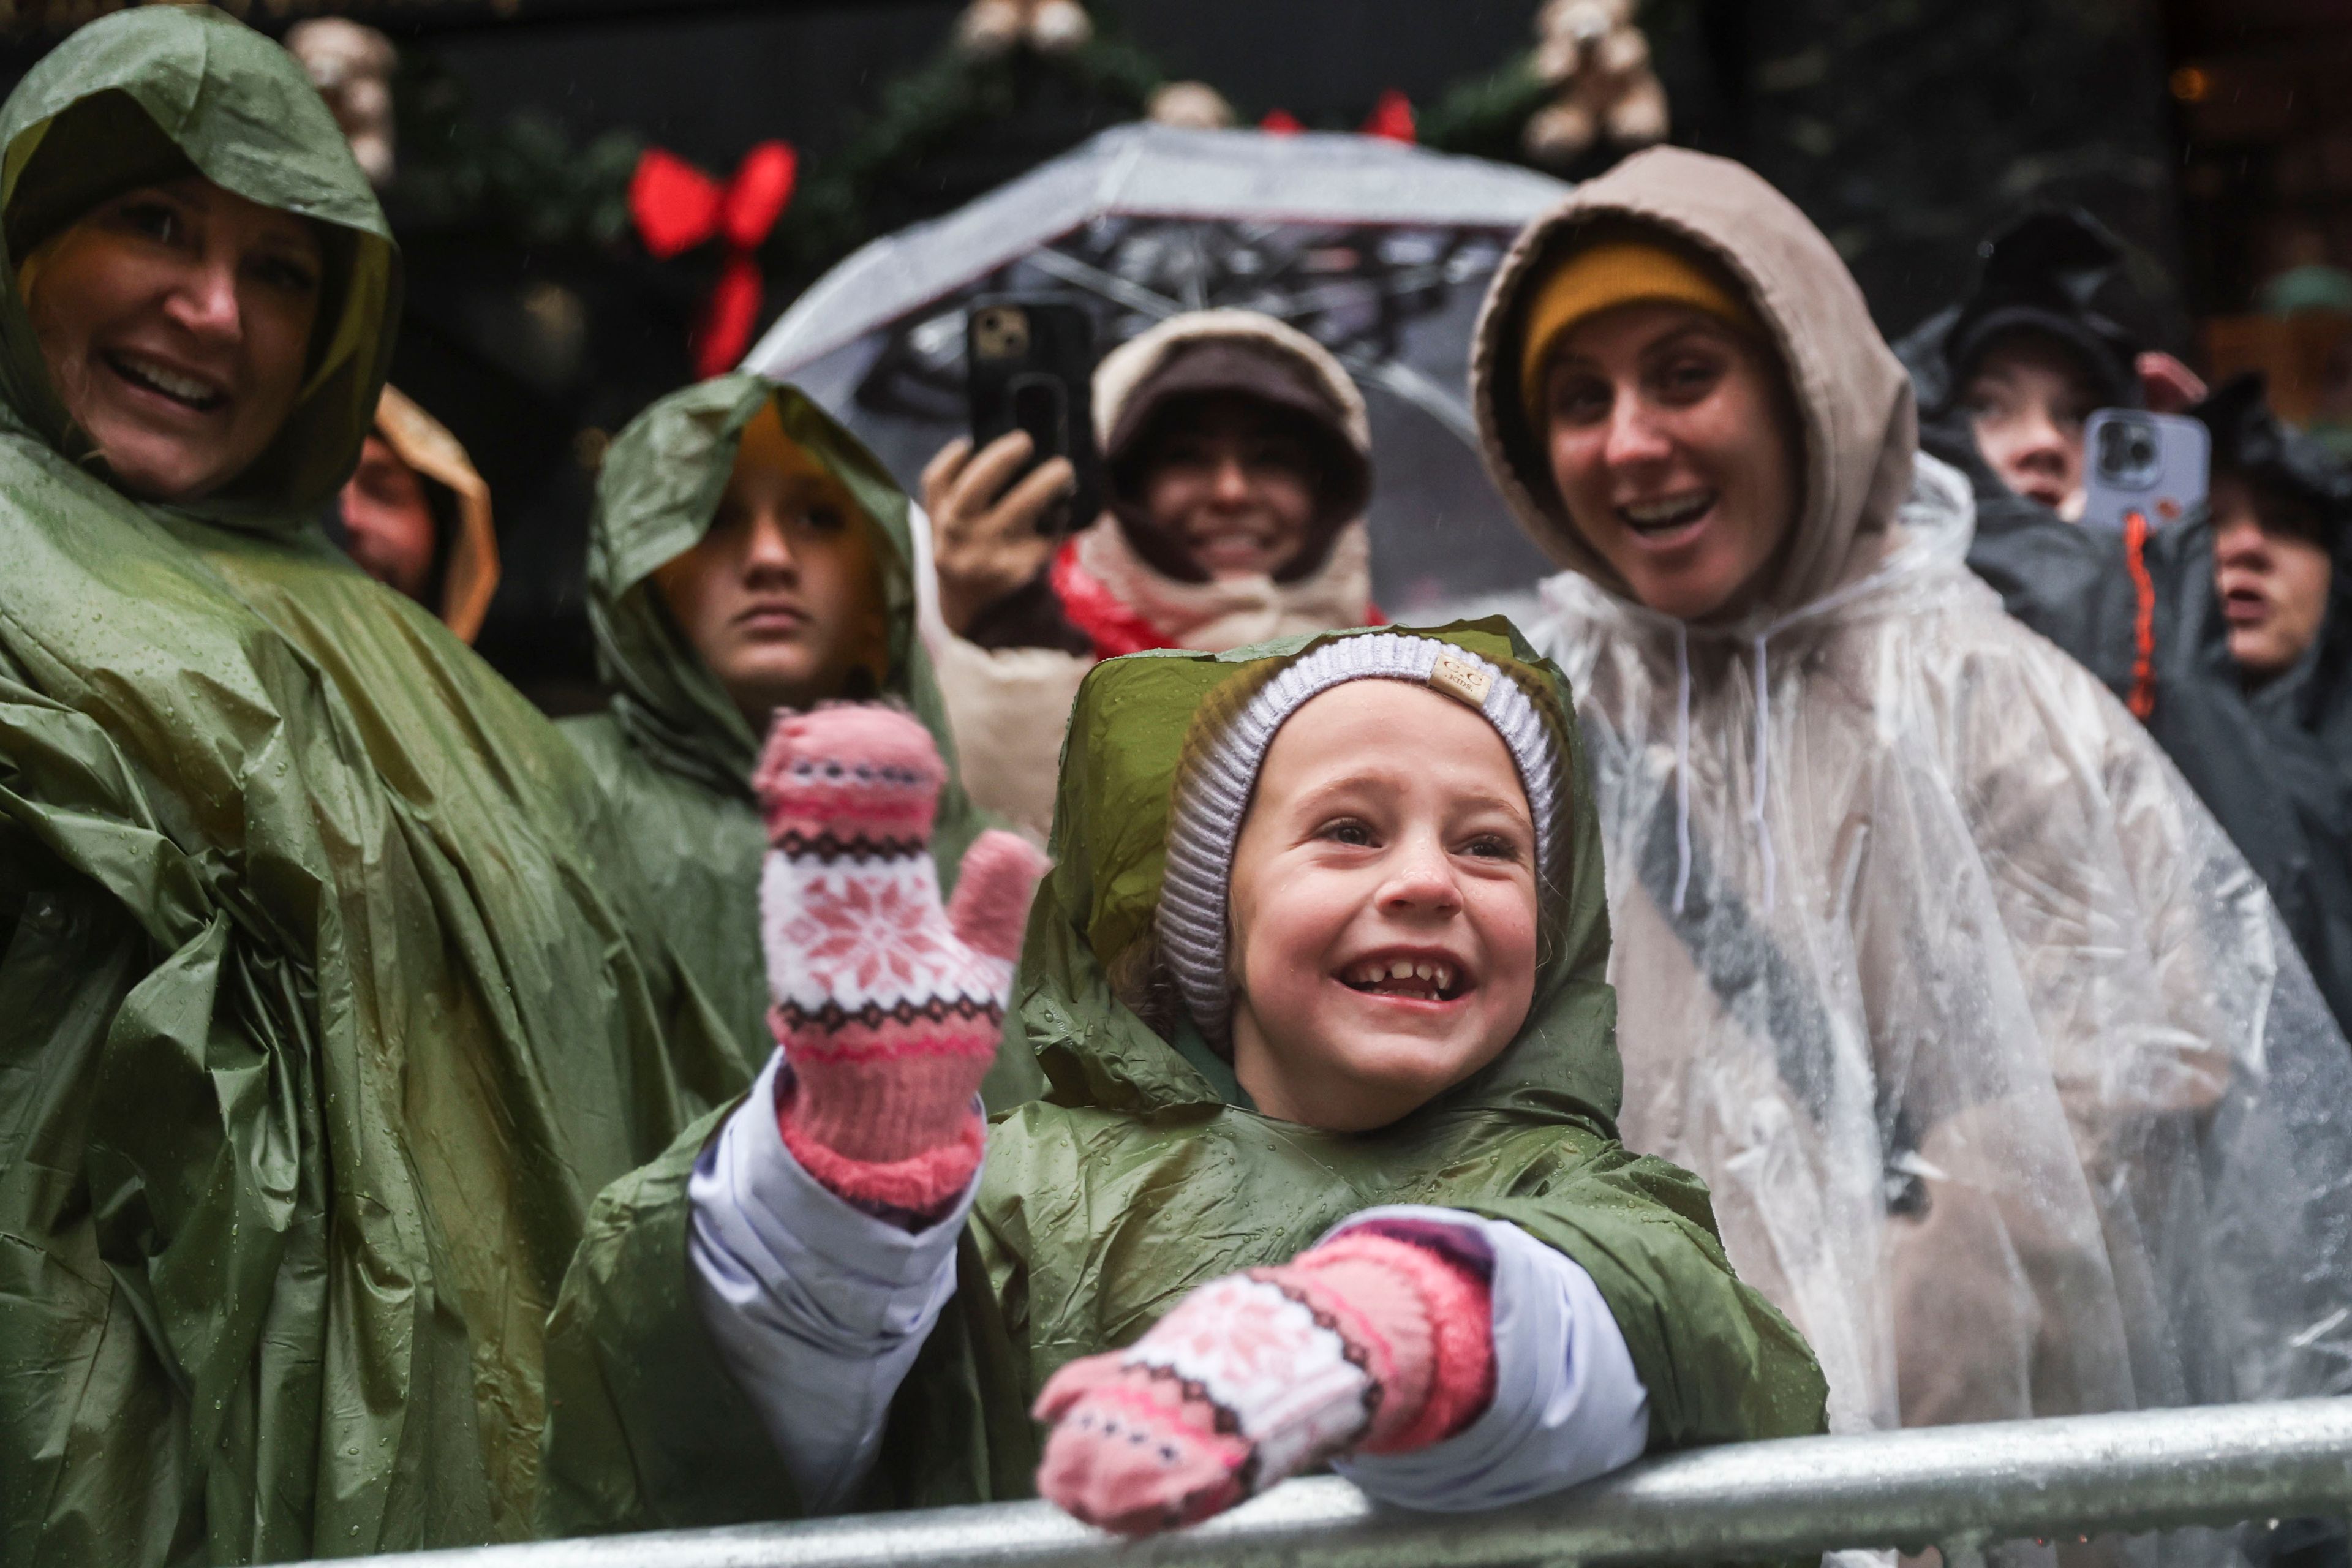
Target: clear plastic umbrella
[{"x": 1379, "y": 250}]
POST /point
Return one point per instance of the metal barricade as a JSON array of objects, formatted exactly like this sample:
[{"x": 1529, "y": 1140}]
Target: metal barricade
[{"x": 1956, "y": 1488}]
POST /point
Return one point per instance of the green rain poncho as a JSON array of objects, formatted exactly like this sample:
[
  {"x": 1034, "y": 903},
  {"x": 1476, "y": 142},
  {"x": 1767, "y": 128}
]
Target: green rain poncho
[
  {"x": 1138, "y": 1178},
  {"x": 673, "y": 752},
  {"x": 320, "y": 1033}
]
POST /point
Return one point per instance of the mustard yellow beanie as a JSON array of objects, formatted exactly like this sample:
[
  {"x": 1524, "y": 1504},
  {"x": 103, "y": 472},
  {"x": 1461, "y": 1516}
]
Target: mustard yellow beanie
[{"x": 1608, "y": 273}]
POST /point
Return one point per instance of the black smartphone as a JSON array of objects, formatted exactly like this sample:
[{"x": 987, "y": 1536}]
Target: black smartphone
[{"x": 1029, "y": 365}]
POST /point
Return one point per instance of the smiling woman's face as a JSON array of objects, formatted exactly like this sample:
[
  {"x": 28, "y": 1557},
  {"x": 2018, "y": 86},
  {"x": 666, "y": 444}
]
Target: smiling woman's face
[
  {"x": 1383, "y": 907},
  {"x": 175, "y": 322},
  {"x": 1675, "y": 452}
]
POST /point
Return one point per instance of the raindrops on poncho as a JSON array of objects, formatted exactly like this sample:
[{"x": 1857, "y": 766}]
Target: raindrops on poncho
[{"x": 2007, "y": 1082}]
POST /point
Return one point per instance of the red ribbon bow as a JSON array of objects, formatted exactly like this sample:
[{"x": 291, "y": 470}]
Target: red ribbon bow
[
  {"x": 1391, "y": 117},
  {"x": 677, "y": 206}
]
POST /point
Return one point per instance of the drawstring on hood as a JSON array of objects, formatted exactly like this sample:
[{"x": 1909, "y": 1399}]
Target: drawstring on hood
[{"x": 1938, "y": 521}]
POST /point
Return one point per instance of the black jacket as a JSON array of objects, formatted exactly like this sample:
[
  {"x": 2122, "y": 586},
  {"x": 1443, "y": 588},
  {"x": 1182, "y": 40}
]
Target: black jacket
[{"x": 2273, "y": 766}]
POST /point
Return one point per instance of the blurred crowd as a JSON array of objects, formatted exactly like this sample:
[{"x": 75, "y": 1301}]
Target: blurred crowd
[{"x": 1003, "y": 1003}]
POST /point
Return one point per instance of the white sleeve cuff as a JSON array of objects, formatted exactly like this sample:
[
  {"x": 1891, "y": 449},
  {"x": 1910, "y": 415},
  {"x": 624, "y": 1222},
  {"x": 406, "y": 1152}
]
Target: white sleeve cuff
[
  {"x": 817, "y": 1308},
  {"x": 1568, "y": 1405}
]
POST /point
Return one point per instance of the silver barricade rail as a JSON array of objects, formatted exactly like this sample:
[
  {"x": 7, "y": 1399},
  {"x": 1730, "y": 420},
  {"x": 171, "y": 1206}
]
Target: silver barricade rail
[{"x": 1956, "y": 1488}]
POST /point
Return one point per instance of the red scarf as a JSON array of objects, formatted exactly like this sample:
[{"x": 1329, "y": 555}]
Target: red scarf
[{"x": 1108, "y": 621}]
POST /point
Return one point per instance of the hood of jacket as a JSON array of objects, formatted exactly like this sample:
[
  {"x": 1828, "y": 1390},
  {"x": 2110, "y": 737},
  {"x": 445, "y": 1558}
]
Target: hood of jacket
[
  {"x": 150, "y": 93},
  {"x": 467, "y": 558},
  {"x": 1118, "y": 769},
  {"x": 2056, "y": 271},
  {"x": 656, "y": 499},
  {"x": 1299, "y": 375},
  {"x": 1853, "y": 400}
]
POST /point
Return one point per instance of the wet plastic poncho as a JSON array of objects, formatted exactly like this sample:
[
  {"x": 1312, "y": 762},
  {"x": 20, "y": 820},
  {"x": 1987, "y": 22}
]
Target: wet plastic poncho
[
  {"x": 319, "y": 1036},
  {"x": 1143, "y": 1174},
  {"x": 2009, "y": 1086},
  {"x": 2275, "y": 768},
  {"x": 673, "y": 752}
]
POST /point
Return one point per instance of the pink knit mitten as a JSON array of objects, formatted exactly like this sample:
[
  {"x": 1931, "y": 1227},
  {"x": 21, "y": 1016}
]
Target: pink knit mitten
[
  {"x": 889, "y": 1006},
  {"x": 1366, "y": 1343}
]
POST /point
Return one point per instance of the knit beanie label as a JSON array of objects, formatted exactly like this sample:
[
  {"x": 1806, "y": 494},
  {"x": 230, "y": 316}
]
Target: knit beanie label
[{"x": 1462, "y": 681}]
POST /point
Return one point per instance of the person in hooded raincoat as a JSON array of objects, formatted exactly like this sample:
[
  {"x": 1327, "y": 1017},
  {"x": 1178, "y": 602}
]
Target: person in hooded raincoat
[
  {"x": 2248, "y": 602},
  {"x": 1145, "y": 1172},
  {"x": 2004, "y": 380},
  {"x": 1237, "y": 453},
  {"x": 321, "y": 1035},
  {"x": 674, "y": 749},
  {"x": 2009, "y": 1088},
  {"x": 416, "y": 515}
]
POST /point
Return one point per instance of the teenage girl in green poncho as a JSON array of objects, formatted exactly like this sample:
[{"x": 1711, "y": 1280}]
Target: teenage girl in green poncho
[
  {"x": 747, "y": 554},
  {"x": 1326, "y": 1172}
]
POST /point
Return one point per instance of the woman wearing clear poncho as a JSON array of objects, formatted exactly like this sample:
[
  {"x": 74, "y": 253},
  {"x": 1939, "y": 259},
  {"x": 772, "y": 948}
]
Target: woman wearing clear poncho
[
  {"x": 320, "y": 1035},
  {"x": 675, "y": 750},
  {"x": 2008, "y": 1085}
]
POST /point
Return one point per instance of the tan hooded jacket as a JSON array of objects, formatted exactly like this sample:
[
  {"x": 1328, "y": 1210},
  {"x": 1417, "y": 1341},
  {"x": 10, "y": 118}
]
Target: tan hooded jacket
[
  {"x": 1988, "y": 1044},
  {"x": 1010, "y": 706},
  {"x": 426, "y": 444}
]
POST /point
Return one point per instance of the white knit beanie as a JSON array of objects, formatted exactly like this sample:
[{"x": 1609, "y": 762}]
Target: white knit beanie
[{"x": 1212, "y": 794}]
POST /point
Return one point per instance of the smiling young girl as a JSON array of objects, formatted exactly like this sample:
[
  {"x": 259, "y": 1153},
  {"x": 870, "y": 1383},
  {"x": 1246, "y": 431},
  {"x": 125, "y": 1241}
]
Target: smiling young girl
[{"x": 1327, "y": 1171}]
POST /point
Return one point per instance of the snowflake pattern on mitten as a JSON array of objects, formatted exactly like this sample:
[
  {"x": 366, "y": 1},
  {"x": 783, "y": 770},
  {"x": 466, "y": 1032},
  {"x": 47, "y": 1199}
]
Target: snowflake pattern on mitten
[
  {"x": 1366, "y": 1343},
  {"x": 888, "y": 1004}
]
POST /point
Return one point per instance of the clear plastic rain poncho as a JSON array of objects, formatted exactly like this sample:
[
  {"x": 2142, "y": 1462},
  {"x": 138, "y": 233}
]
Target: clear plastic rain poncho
[{"x": 2009, "y": 1087}]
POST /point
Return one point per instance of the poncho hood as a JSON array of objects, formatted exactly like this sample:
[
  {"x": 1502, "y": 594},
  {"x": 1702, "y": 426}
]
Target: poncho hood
[
  {"x": 657, "y": 498},
  {"x": 2056, "y": 271},
  {"x": 1854, "y": 400},
  {"x": 1110, "y": 827},
  {"x": 138, "y": 94},
  {"x": 466, "y": 557},
  {"x": 673, "y": 752},
  {"x": 1254, "y": 356}
]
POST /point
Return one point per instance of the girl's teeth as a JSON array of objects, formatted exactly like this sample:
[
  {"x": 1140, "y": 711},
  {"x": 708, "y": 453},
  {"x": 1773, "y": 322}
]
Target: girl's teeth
[{"x": 1401, "y": 970}]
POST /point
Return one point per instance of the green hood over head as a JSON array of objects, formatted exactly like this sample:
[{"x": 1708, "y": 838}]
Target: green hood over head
[
  {"x": 1110, "y": 832},
  {"x": 673, "y": 752},
  {"x": 149, "y": 95},
  {"x": 657, "y": 497},
  {"x": 321, "y": 1027}
]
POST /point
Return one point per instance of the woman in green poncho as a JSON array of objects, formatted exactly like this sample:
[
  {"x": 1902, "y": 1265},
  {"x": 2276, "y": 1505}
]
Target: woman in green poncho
[
  {"x": 320, "y": 1032},
  {"x": 1359, "y": 1052},
  {"x": 747, "y": 554}
]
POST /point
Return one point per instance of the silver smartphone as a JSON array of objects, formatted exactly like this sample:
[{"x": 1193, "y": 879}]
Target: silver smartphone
[{"x": 2152, "y": 463}]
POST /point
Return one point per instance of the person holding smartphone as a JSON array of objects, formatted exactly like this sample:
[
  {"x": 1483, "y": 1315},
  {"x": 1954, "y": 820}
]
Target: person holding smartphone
[
  {"x": 2006, "y": 380},
  {"x": 1237, "y": 464},
  {"x": 2249, "y": 675}
]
